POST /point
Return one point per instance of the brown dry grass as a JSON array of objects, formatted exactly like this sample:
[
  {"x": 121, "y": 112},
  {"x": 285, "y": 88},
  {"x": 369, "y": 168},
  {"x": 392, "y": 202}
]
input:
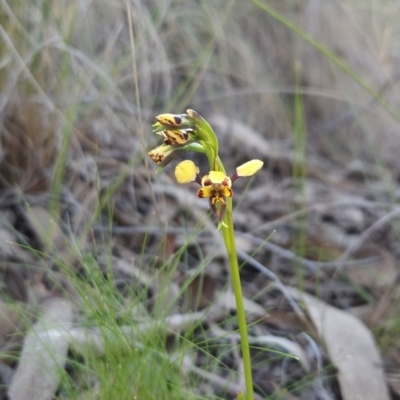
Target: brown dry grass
[{"x": 74, "y": 185}]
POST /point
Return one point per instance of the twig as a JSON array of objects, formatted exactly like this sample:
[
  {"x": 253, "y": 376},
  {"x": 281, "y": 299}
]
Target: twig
[
  {"x": 312, "y": 266},
  {"x": 271, "y": 275},
  {"x": 364, "y": 236}
]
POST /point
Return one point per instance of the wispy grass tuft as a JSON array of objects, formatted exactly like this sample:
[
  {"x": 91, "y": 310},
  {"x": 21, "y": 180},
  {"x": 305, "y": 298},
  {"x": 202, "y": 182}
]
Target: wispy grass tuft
[{"x": 74, "y": 118}]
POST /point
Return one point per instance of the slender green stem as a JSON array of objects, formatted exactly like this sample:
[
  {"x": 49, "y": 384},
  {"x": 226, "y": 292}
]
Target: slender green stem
[
  {"x": 209, "y": 142},
  {"x": 230, "y": 244},
  {"x": 228, "y": 233}
]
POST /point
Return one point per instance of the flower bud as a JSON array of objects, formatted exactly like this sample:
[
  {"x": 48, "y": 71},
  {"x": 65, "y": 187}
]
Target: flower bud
[
  {"x": 172, "y": 119},
  {"x": 160, "y": 153}
]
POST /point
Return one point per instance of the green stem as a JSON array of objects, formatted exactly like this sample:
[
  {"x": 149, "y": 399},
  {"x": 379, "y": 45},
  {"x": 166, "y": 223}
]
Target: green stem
[
  {"x": 228, "y": 233},
  {"x": 209, "y": 141}
]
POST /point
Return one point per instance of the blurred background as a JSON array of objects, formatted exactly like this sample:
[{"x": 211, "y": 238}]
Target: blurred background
[{"x": 310, "y": 87}]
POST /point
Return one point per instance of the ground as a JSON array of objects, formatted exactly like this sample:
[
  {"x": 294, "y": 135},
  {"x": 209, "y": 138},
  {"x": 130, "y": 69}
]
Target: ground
[{"x": 115, "y": 281}]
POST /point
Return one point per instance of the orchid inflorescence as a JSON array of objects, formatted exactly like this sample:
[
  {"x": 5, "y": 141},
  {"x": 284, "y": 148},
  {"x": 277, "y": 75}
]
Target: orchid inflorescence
[{"x": 190, "y": 132}]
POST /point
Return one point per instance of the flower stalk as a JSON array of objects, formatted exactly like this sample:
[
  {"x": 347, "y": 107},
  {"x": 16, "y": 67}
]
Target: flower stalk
[
  {"x": 228, "y": 233},
  {"x": 191, "y": 132}
]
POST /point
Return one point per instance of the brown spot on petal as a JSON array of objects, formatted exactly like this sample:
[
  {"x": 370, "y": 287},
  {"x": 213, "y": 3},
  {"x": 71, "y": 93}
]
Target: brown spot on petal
[
  {"x": 174, "y": 136},
  {"x": 207, "y": 182},
  {"x": 228, "y": 192},
  {"x": 157, "y": 157}
]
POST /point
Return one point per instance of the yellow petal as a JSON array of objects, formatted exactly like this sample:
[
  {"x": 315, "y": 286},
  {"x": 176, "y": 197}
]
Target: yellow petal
[
  {"x": 159, "y": 153},
  {"x": 204, "y": 192},
  {"x": 171, "y": 119},
  {"x": 226, "y": 191},
  {"x": 216, "y": 178},
  {"x": 176, "y": 136},
  {"x": 249, "y": 168},
  {"x": 186, "y": 171}
]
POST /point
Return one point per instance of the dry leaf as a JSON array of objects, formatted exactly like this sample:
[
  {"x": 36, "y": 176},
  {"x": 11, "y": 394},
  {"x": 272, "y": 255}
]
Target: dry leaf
[
  {"x": 291, "y": 347},
  {"x": 285, "y": 320},
  {"x": 351, "y": 348},
  {"x": 288, "y": 345},
  {"x": 43, "y": 355}
]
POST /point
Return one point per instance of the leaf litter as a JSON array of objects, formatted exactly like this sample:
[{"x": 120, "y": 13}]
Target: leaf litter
[
  {"x": 168, "y": 255},
  {"x": 351, "y": 348}
]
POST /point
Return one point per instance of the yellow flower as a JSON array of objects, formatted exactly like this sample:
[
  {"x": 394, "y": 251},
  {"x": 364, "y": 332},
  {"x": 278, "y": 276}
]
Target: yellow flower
[{"x": 215, "y": 185}]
